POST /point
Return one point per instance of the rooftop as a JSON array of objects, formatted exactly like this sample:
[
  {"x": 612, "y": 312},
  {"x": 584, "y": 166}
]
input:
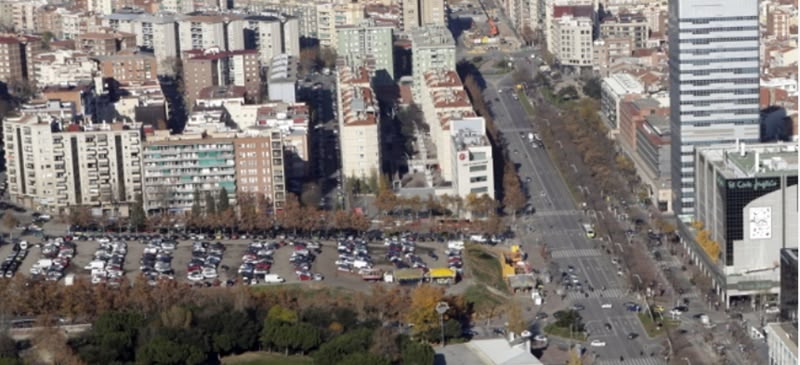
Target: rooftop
[
  {"x": 787, "y": 333},
  {"x": 739, "y": 160},
  {"x": 573, "y": 10},
  {"x": 222, "y": 92},
  {"x": 624, "y": 83},
  {"x": 59, "y": 126},
  {"x": 216, "y": 53},
  {"x": 432, "y": 36},
  {"x": 659, "y": 123},
  {"x": 495, "y": 351},
  {"x": 283, "y": 67}
]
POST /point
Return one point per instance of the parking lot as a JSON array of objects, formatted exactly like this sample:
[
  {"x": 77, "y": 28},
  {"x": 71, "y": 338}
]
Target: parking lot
[{"x": 324, "y": 264}]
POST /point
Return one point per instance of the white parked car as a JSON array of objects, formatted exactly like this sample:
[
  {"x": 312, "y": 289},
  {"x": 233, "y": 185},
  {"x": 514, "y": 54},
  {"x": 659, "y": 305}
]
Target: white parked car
[
  {"x": 195, "y": 276},
  {"x": 606, "y": 306},
  {"x": 773, "y": 310},
  {"x": 598, "y": 343},
  {"x": 210, "y": 273}
]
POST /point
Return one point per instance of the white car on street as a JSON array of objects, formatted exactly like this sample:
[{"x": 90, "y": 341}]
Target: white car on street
[
  {"x": 606, "y": 306},
  {"x": 598, "y": 343}
]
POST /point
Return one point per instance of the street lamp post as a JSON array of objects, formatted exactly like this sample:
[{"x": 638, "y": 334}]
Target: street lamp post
[{"x": 442, "y": 308}]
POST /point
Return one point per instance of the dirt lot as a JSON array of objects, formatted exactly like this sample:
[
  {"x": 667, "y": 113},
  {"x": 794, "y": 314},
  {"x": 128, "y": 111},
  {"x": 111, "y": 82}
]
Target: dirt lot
[{"x": 324, "y": 263}]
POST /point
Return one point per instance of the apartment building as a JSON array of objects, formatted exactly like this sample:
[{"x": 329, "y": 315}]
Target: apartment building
[
  {"x": 573, "y": 40},
  {"x": 357, "y": 43},
  {"x": 608, "y": 51},
  {"x": 652, "y": 159},
  {"x": 359, "y": 123},
  {"x": 626, "y": 25},
  {"x": 129, "y": 67},
  {"x": 205, "y": 31},
  {"x": 473, "y": 166},
  {"x": 782, "y": 343},
  {"x": 304, "y": 12},
  {"x": 524, "y": 13},
  {"x": 789, "y": 287},
  {"x": 105, "y": 43},
  {"x": 272, "y": 36},
  {"x": 779, "y": 22},
  {"x": 54, "y": 166},
  {"x": 442, "y": 99},
  {"x": 613, "y": 90},
  {"x": 18, "y": 52},
  {"x": 282, "y": 79},
  {"x": 260, "y": 166},
  {"x": 213, "y": 67},
  {"x": 21, "y": 14},
  {"x": 48, "y": 19},
  {"x": 555, "y": 9},
  {"x": 714, "y": 83},
  {"x": 154, "y": 33},
  {"x": 63, "y": 67},
  {"x": 434, "y": 49},
  {"x": 633, "y": 110},
  {"x": 746, "y": 197},
  {"x": 74, "y": 23}
]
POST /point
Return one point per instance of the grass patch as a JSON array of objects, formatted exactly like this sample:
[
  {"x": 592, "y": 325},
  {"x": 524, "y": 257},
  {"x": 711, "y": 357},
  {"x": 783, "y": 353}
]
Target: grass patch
[
  {"x": 484, "y": 265},
  {"x": 526, "y": 104},
  {"x": 482, "y": 300},
  {"x": 651, "y": 328},
  {"x": 553, "y": 330},
  {"x": 266, "y": 358}
]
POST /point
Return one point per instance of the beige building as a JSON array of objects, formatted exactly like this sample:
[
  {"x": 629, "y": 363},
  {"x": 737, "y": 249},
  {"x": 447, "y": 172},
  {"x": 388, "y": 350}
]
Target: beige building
[
  {"x": 606, "y": 52},
  {"x": 18, "y": 54},
  {"x": 210, "y": 31},
  {"x": 129, "y": 67},
  {"x": 359, "y": 123},
  {"x": 524, "y": 13},
  {"x": 555, "y": 9},
  {"x": 212, "y": 67},
  {"x": 626, "y": 25},
  {"x": 573, "y": 41},
  {"x": 419, "y": 13},
  {"x": 157, "y": 34},
  {"x": 53, "y": 166},
  {"x": 105, "y": 43}
]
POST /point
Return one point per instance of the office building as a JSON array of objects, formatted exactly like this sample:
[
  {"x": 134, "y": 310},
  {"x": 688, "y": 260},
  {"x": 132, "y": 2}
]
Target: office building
[
  {"x": 747, "y": 201},
  {"x": 472, "y": 163},
  {"x": 282, "y": 79},
  {"x": 129, "y": 67},
  {"x": 614, "y": 89},
  {"x": 788, "y": 301},
  {"x": 359, "y": 123},
  {"x": 433, "y": 48},
  {"x": 782, "y": 343},
  {"x": 626, "y": 25},
  {"x": 556, "y": 9},
  {"x": 63, "y": 67},
  {"x": 54, "y": 165},
  {"x": 357, "y": 43},
  {"x": 212, "y": 67},
  {"x": 714, "y": 83},
  {"x": 652, "y": 159}
]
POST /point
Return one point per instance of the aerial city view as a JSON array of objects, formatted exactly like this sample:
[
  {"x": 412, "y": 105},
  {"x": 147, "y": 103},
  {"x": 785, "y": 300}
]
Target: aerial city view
[{"x": 392, "y": 182}]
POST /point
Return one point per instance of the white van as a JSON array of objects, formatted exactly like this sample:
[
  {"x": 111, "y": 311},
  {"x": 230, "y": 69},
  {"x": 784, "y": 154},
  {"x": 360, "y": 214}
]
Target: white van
[
  {"x": 361, "y": 264},
  {"x": 455, "y": 245},
  {"x": 96, "y": 265},
  {"x": 273, "y": 279}
]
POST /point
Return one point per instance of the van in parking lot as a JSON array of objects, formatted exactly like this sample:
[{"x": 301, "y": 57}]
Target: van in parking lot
[
  {"x": 273, "y": 279},
  {"x": 455, "y": 245}
]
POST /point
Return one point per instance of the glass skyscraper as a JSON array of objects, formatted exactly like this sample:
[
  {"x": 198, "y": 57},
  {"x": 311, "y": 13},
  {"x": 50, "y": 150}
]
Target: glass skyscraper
[{"x": 714, "y": 79}]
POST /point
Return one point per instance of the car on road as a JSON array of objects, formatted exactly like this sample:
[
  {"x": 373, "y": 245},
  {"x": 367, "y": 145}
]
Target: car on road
[
  {"x": 633, "y": 335},
  {"x": 608, "y": 326},
  {"x": 541, "y": 315},
  {"x": 578, "y": 307},
  {"x": 606, "y": 306},
  {"x": 598, "y": 343}
]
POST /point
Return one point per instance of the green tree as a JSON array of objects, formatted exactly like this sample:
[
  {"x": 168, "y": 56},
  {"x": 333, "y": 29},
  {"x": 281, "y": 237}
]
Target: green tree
[
  {"x": 231, "y": 331},
  {"x": 568, "y": 93},
  {"x": 138, "y": 218},
  {"x": 333, "y": 351},
  {"x": 165, "y": 351},
  {"x": 514, "y": 198},
  {"x": 113, "y": 338},
  {"x": 416, "y": 353},
  {"x": 211, "y": 204},
  {"x": 223, "y": 201},
  {"x": 592, "y": 88}
]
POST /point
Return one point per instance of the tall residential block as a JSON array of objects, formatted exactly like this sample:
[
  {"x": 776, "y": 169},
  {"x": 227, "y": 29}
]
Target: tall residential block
[
  {"x": 626, "y": 25},
  {"x": 433, "y": 48},
  {"x": 272, "y": 36},
  {"x": 157, "y": 34},
  {"x": 18, "y": 54},
  {"x": 714, "y": 82},
  {"x": 359, "y": 123},
  {"x": 212, "y": 67},
  {"x": 210, "y": 30},
  {"x": 358, "y": 43},
  {"x": 54, "y": 166},
  {"x": 419, "y": 13}
]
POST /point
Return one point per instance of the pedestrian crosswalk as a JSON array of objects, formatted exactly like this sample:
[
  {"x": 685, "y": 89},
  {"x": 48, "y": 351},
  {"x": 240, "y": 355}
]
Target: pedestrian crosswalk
[
  {"x": 581, "y": 252},
  {"x": 634, "y": 361},
  {"x": 608, "y": 293}
]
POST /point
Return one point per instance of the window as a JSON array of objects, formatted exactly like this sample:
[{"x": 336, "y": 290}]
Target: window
[
  {"x": 477, "y": 168},
  {"x": 476, "y": 179}
]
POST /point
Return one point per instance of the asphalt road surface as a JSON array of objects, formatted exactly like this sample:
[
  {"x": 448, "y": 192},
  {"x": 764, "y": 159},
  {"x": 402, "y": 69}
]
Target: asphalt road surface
[{"x": 558, "y": 222}]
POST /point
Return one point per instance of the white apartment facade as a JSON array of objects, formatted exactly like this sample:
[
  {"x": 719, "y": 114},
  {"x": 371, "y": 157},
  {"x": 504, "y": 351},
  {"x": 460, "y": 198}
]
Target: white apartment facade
[
  {"x": 53, "y": 166},
  {"x": 714, "y": 83},
  {"x": 63, "y": 67},
  {"x": 210, "y": 31},
  {"x": 359, "y": 123},
  {"x": 572, "y": 41},
  {"x": 434, "y": 49},
  {"x": 155, "y": 33},
  {"x": 358, "y": 42},
  {"x": 282, "y": 79}
]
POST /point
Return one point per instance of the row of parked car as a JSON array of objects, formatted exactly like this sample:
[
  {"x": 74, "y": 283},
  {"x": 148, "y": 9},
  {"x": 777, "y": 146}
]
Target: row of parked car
[
  {"x": 402, "y": 249},
  {"x": 156, "y": 261},
  {"x": 108, "y": 262},
  {"x": 302, "y": 258},
  {"x": 9, "y": 267},
  {"x": 57, "y": 254},
  {"x": 257, "y": 262},
  {"x": 353, "y": 255},
  {"x": 205, "y": 262}
]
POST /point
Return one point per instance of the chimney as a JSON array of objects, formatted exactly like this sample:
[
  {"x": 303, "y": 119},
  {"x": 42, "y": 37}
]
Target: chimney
[{"x": 742, "y": 151}]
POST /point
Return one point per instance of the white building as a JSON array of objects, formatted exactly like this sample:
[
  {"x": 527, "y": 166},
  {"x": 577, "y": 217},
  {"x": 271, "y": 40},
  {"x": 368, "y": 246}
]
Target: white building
[
  {"x": 358, "y": 43},
  {"x": 746, "y": 198},
  {"x": 210, "y": 31},
  {"x": 782, "y": 343},
  {"x": 359, "y": 123},
  {"x": 472, "y": 163},
  {"x": 53, "y": 166},
  {"x": 434, "y": 49},
  {"x": 714, "y": 83},
  {"x": 155, "y": 33},
  {"x": 613, "y": 91},
  {"x": 573, "y": 41},
  {"x": 282, "y": 79},
  {"x": 272, "y": 35},
  {"x": 63, "y": 67}
]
